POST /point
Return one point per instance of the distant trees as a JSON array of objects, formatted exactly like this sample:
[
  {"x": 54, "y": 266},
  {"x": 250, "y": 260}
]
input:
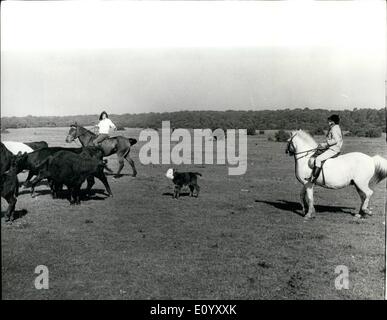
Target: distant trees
[
  {"x": 366, "y": 132},
  {"x": 317, "y": 132},
  {"x": 362, "y": 122}
]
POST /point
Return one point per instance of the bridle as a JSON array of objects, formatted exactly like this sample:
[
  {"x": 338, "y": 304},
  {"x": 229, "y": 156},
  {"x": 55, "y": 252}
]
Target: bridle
[
  {"x": 292, "y": 153},
  {"x": 76, "y": 135}
]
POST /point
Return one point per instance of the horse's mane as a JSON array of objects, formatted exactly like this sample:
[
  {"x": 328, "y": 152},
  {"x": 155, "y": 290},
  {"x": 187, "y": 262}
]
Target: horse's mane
[
  {"x": 308, "y": 139},
  {"x": 83, "y": 129}
]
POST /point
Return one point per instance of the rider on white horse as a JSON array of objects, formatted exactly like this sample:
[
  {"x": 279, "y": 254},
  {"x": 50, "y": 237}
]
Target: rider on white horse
[{"x": 332, "y": 145}]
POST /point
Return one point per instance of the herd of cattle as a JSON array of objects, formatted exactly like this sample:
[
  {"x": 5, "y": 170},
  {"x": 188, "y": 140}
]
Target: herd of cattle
[{"x": 60, "y": 166}]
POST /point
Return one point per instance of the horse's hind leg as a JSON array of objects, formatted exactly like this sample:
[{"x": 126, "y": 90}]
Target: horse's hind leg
[
  {"x": 365, "y": 194},
  {"x": 131, "y": 162},
  {"x": 120, "y": 165},
  {"x": 304, "y": 201}
]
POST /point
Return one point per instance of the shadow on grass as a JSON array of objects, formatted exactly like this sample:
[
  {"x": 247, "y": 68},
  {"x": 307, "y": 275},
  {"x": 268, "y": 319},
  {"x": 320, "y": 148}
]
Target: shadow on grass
[
  {"x": 296, "y": 207},
  {"x": 24, "y": 190},
  {"x": 94, "y": 194},
  {"x": 182, "y": 194},
  {"x": 17, "y": 214},
  {"x": 118, "y": 176}
]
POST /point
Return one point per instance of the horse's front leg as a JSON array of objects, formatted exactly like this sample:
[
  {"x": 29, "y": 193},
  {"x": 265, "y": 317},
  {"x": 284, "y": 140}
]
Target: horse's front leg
[{"x": 310, "y": 200}]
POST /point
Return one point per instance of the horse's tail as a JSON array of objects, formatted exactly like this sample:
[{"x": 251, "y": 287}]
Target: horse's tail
[
  {"x": 380, "y": 169},
  {"x": 197, "y": 173}
]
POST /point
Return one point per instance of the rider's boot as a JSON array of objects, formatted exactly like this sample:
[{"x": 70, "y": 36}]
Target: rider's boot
[{"x": 315, "y": 173}]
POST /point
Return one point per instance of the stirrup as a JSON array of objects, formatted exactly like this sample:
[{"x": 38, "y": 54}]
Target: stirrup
[{"x": 309, "y": 179}]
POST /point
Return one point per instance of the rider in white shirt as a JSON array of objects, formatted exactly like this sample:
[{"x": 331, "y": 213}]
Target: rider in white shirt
[
  {"x": 332, "y": 145},
  {"x": 104, "y": 126}
]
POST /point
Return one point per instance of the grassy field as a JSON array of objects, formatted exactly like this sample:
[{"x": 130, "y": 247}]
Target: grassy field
[{"x": 243, "y": 238}]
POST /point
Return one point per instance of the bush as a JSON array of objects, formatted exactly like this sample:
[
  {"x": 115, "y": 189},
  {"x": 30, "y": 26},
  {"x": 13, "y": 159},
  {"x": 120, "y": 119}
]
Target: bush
[
  {"x": 261, "y": 131},
  {"x": 281, "y": 136},
  {"x": 251, "y": 131},
  {"x": 3, "y": 131},
  {"x": 120, "y": 128},
  {"x": 317, "y": 132},
  {"x": 373, "y": 133}
]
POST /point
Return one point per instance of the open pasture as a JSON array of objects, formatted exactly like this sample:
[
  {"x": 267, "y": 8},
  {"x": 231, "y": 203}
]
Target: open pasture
[{"x": 242, "y": 238}]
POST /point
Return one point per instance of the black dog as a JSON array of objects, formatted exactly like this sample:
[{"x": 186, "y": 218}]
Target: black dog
[{"x": 181, "y": 179}]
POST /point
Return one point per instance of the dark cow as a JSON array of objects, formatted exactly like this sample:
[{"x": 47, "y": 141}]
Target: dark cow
[
  {"x": 37, "y": 145},
  {"x": 34, "y": 159},
  {"x": 70, "y": 169},
  {"x": 6, "y": 157},
  {"x": 9, "y": 185}
]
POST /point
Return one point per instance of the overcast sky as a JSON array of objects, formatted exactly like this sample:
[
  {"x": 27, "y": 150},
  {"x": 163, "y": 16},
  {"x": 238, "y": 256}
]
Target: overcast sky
[{"x": 66, "y": 58}]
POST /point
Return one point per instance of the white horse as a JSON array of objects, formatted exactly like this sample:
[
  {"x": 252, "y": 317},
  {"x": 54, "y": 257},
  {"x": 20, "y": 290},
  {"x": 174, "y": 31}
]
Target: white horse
[
  {"x": 16, "y": 147},
  {"x": 353, "y": 168}
]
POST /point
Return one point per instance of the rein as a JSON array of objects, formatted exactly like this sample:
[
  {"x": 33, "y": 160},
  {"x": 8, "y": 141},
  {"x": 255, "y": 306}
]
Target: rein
[
  {"x": 306, "y": 153},
  {"x": 77, "y": 135},
  {"x": 301, "y": 152}
]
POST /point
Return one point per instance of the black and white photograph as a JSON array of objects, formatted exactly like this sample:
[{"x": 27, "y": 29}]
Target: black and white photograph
[{"x": 193, "y": 150}]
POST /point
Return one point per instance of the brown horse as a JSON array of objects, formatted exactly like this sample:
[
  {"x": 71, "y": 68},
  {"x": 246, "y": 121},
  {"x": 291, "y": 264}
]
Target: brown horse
[{"x": 119, "y": 145}]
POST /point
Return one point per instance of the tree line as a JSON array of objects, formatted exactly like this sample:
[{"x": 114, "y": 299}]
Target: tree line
[{"x": 359, "y": 122}]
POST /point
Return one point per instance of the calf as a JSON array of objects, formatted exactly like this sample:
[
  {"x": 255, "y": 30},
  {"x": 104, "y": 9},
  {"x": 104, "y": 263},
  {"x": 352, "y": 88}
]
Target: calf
[
  {"x": 37, "y": 157},
  {"x": 70, "y": 169},
  {"x": 181, "y": 179}
]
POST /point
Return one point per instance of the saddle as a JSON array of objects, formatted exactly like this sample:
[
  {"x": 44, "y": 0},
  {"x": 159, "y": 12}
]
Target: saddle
[{"x": 316, "y": 154}]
